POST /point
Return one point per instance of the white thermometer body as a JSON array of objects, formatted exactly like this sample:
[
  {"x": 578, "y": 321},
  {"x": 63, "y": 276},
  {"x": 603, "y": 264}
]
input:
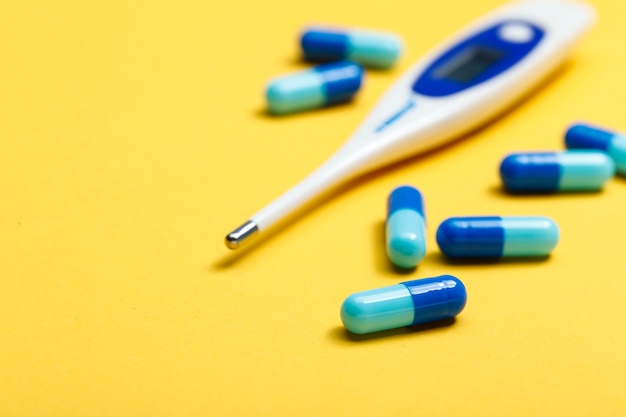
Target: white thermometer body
[{"x": 457, "y": 87}]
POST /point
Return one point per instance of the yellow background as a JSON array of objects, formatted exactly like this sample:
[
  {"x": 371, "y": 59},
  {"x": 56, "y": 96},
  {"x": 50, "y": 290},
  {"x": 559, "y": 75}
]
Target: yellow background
[{"x": 133, "y": 138}]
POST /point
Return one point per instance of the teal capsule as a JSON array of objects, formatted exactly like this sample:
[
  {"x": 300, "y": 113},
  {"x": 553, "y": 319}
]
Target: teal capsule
[
  {"x": 405, "y": 304},
  {"x": 405, "y": 227},
  {"x": 314, "y": 88},
  {"x": 574, "y": 170},
  {"x": 497, "y": 237},
  {"x": 370, "y": 48},
  {"x": 586, "y": 136}
]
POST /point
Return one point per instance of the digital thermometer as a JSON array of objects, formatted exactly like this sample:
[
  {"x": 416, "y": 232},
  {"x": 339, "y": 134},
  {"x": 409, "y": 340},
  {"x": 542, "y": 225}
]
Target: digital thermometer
[{"x": 457, "y": 87}]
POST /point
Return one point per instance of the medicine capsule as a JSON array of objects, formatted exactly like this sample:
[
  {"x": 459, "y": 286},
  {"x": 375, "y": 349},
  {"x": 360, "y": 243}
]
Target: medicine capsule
[
  {"x": 584, "y": 136},
  {"x": 556, "y": 171},
  {"x": 370, "y": 48},
  {"x": 405, "y": 227},
  {"x": 497, "y": 237},
  {"x": 405, "y": 304},
  {"x": 317, "y": 87}
]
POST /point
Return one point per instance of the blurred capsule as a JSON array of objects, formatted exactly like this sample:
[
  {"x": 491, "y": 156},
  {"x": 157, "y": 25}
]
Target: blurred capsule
[
  {"x": 317, "y": 87},
  {"x": 585, "y": 136},
  {"x": 370, "y": 48},
  {"x": 556, "y": 171}
]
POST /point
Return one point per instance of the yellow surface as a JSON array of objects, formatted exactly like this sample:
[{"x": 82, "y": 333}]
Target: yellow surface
[{"x": 133, "y": 138}]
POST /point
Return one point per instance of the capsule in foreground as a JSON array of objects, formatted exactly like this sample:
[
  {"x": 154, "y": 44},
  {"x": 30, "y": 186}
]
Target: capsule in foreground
[
  {"x": 497, "y": 237},
  {"x": 323, "y": 85},
  {"x": 370, "y": 48},
  {"x": 405, "y": 304},
  {"x": 574, "y": 170},
  {"x": 585, "y": 136},
  {"x": 405, "y": 227}
]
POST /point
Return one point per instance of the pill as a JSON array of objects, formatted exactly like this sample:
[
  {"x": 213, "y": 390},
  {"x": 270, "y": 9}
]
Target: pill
[
  {"x": 497, "y": 237},
  {"x": 585, "y": 136},
  {"x": 575, "y": 170},
  {"x": 405, "y": 227},
  {"x": 320, "y": 86},
  {"x": 371, "y": 48},
  {"x": 405, "y": 304}
]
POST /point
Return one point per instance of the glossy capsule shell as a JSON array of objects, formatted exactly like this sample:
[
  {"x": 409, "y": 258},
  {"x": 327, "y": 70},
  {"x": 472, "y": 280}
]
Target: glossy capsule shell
[
  {"x": 314, "y": 88},
  {"x": 405, "y": 304},
  {"x": 497, "y": 237},
  {"x": 405, "y": 227},
  {"x": 586, "y": 136},
  {"x": 556, "y": 171},
  {"x": 373, "y": 49}
]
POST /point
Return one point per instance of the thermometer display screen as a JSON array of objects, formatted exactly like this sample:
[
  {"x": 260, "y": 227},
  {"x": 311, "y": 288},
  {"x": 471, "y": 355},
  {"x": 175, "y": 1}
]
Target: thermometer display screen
[{"x": 468, "y": 64}]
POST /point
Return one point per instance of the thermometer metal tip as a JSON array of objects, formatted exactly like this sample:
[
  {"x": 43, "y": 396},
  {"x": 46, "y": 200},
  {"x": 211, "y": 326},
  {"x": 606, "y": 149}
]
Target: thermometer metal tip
[{"x": 242, "y": 234}]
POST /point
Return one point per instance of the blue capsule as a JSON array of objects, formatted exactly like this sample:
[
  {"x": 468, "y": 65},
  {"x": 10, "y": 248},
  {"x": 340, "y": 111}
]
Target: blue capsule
[
  {"x": 556, "y": 171},
  {"x": 405, "y": 227},
  {"x": 584, "y": 136},
  {"x": 497, "y": 237},
  {"x": 370, "y": 48},
  {"x": 405, "y": 304},
  {"x": 317, "y": 87}
]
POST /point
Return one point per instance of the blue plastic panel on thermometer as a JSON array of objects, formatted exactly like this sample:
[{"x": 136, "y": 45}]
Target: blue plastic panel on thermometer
[
  {"x": 460, "y": 85},
  {"x": 479, "y": 58}
]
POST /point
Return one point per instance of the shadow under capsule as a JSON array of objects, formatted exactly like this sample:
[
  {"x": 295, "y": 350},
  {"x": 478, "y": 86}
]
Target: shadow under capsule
[
  {"x": 341, "y": 334},
  {"x": 441, "y": 258},
  {"x": 501, "y": 191}
]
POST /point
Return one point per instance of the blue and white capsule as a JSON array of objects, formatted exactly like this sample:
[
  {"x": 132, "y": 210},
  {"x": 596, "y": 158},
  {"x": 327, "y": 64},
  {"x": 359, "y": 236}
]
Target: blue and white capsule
[
  {"x": 405, "y": 227},
  {"x": 546, "y": 172},
  {"x": 320, "y": 86},
  {"x": 497, "y": 237},
  {"x": 405, "y": 304},
  {"x": 585, "y": 136},
  {"x": 370, "y": 48}
]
